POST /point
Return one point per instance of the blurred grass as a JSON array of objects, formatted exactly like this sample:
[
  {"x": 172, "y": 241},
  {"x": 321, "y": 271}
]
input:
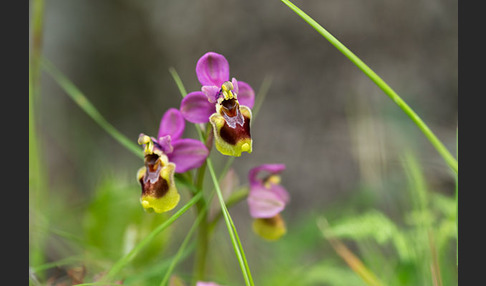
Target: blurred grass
[
  {"x": 112, "y": 222},
  {"x": 38, "y": 174}
]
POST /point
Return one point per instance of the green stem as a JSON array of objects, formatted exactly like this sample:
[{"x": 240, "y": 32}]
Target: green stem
[
  {"x": 446, "y": 155},
  {"x": 240, "y": 254},
  {"x": 200, "y": 218},
  {"x": 178, "y": 81},
  {"x": 37, "y": 171},
  {"x": 154, "y": 270},
  {"x": 202, "y": 249},
  {"x": 37, "y": 35},
  {"x": 226, "y": 167},
  {"x": 457, "y": 201},
  {"x": 261, "y": 95},
  {"x": 203, "y": 240},
  {"x": 186, "y": 182},
  {"x": 235, "y": 198}
]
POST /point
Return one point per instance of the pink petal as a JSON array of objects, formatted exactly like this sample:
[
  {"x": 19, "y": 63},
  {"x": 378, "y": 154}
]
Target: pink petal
[
  {"x": 172, "y": 124},
  {"x": 188, "y": 154},
  {"x": 270, "y": 168},
  {"x": 281, "y": 192},
  {"x": 196, "y": 108},
  {"x": 234, "y": 82},
  {"x": 211, "y": 92},
  {"x": 264, "y": 203},
  {"x": 245, "y": 94},
  {"x": 165, "y": 144},
  {"x": 212, "y": 69}
]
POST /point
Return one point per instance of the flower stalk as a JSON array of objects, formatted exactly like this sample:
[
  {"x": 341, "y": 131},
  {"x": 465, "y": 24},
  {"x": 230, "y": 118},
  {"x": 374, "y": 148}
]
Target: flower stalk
[{"x": 202, "y": 238}]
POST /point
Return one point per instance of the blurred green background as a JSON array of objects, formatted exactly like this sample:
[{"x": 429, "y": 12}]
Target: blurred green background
[{"x": 352, "y": 156}]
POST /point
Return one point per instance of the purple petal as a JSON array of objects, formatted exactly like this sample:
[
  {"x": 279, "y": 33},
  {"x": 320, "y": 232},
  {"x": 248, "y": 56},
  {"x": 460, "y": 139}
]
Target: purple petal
[
  {"x": 234, "y": 82},
  {"x": 165, "y": 145},
  {"x": 270, "y": 168},
  {"x": 196, "y": 108},
  {"x": 264, "y": 203},
  {"x": 245, "y": 94},
  {"x": 211, "y": 92},
  {"x": 172, "y": 124},
  {"x": 212, "y": 69},
  {"x": 281, "y": 192},
  {"x": 188, "y": 154}
]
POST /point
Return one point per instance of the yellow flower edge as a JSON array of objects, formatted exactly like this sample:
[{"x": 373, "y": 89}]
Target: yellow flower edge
[
  {"x": 242, "y": 145},
  {"x": 169, "y": 200},
  {"x": 162, "y": 204},
  {"x": 270, "y": 229}
]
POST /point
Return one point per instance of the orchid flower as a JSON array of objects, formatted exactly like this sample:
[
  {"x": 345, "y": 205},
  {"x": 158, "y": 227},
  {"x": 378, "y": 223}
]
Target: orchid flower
[
  {"x": 164, "y": 155},
  {"x": 225, "y": 104},
  {"x": 266, "y": 199}
]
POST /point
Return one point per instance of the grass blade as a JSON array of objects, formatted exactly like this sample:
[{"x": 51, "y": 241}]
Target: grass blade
[
  {"x": 37, "y": 167},
  {"x": 235, "y": 240},
  {"x": 36, "y": 45},
  {"x": 184, "y": 243},
  {"x": 178, "y": 81},
  {"x": 349, "y": 257},
  {"x": 86, "y": 105},
  {"x": 156, "y": 269},
  {"x": 456, "y": 181},
  {"x": 446, "y": 155},
  {"x": 261, "y": 95}
]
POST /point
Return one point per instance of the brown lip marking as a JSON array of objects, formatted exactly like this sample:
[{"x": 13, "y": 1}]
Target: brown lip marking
[
  {"x": 151, "y": 162},
  {"x": 273, "y": 221},
  {"x": 158, "y": 188},
  {"x": 233, "y": 135},
  {"x": 230, "y": 107}
]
